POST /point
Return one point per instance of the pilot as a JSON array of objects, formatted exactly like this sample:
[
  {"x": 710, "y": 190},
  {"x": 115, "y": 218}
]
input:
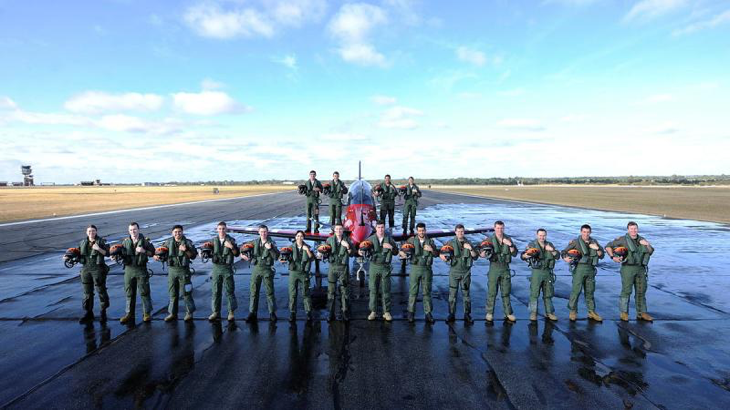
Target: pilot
[
  {"x": 460, "y": 273},
  {"x": 384, "y": 247},
  {"x": 337, "y": 190},
  {"x": 584, "y": 274},
  {"x": 499, "y": 274},
  {"x": 338, "y": 274},
  {"x": 225, "y": 251},
  {"x": 411, "y": 205},
  {"x": 181, "y": 252},
  {"x": 387, "y": 201},
  {"x": 542, "y": 277},
  {"x": 314, "y": 187},
  {"x": 137, "y": 251},
  {"x": 424, "y": 251},
  {"x": 265, "y": 254},
  {"x": 93, "y": 249},
  {"x": 633, "y": 270},
  {"x": 299, "y": 268}
]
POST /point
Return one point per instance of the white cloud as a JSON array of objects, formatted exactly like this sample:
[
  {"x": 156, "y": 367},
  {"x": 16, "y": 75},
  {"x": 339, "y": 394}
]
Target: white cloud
[
  {"x": 471, "y": 56},
  {"x": 364, "y": 54},
  {"x": 523, "y": 124},
  {"x": 352, "y": 26},
  {"x": 209, "y": 20},
  {"x": 383, "y": 99},
  {"x": 7, "y": 104},
  {"x": 719, "y": 19},
  {"x": 207, "y": 103},
  {"x": 296, "y": 12},
  {"x": 289, "y": 61},
  {"x": 649, "y": 9},
  {"x": 95, "y": 102},
  {"x": 400, "y": 117}
]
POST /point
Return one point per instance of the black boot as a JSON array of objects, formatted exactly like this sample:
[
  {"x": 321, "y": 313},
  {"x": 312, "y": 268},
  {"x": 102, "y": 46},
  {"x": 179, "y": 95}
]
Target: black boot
[
  {"x": 411, "y": 318},
  {"x": 345, "y": 316},
  {"x": 272, "y": 317},
  {"x": 331, "y": 316},
  {"x": 292, "y": 316},
  {"x": 467, "y": 319},
  {"x": 251, "y": 317},
  {"x": 429, "y": 318},
  {"x": 309, "y": 317},
  {"x": 451, "y": 318},
  {"x": 102, "y": 318},
  {"x": 88, "y": 317}
]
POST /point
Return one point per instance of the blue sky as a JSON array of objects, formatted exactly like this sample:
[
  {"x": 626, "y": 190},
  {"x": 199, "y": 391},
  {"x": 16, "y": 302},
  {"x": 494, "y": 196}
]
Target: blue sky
[{"x": 131, "y": 91}]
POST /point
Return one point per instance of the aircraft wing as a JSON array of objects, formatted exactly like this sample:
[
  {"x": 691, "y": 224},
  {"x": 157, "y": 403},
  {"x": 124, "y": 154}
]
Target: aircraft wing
[
  {"x": 437, "y": 233},
  {"x": 280, "y": 233}
]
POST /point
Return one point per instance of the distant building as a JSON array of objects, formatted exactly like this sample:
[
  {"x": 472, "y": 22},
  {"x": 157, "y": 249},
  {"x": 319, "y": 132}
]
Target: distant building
[
  {"x": 150, "y": 184},
  {"x": 48, "y": 184},
  {"x": 288, "y": 183}
]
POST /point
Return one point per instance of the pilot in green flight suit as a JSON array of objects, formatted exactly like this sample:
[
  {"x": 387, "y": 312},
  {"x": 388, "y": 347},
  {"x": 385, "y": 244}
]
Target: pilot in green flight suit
[
  {"x": 387, "y": 201},
  {"x": 137, "y": 251},
  {"x": 411, "y": 205},
  {"x": 225, "y": 251},
  {"x": 460, "y": 273},
  {"x": 265, "y": 253},
  {"x": 634, "y": 268},
  {"x": 299, "y": 268},
  {"x": 314, "y": 187},
  {"x": 500, "y": 275},
  {"x": 424, "y": 250},
  {"x": 181, "y": 252},
  {"x": 543, "y": 277},
  {"x": 337, "y": 190},
  {"x": 93, "y": 249},
  {"x": 584, "y": 273},
  {"x": 384, "y": 247},
  {"x": 338, "y": 274}
]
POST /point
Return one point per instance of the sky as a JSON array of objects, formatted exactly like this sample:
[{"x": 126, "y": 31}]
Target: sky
[{"x": 195, "y": 90}]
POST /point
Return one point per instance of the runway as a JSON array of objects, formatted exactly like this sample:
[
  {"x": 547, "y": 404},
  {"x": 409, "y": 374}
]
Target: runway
[{"x": 679, "y": 361}]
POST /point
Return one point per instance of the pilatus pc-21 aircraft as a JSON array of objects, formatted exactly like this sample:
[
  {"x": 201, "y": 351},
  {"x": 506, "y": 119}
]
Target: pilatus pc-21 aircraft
[{"x": 359, "y": 220}]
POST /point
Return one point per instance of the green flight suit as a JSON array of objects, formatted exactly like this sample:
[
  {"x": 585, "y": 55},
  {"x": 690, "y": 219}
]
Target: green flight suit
[
  {"x": 136, "y": 276},
  {"x": 93, "y": 274},
  {"x": 500, "y": 275},
  {"x": 460, "y": 274},
  {"x": 339, "y": 272},
  {"x": 179, "y": 275},
  {"x": 336, "y": 193},
  {"x": 222, "y": 274},
  {"x": 299, "y": 268},
  {"x": 313, "y": 204},
  {"x": 387, "y": 203},
  {"x": 263, "y": 271},
  {"x": 379, "y": 272},
  {"x": 584, "y": 274},
  {"x": 421, "y": 273},
  {"x": 543, "y": 277},
  {"x": 410, "y": 206},
  {"x": 634, "y": 273}
]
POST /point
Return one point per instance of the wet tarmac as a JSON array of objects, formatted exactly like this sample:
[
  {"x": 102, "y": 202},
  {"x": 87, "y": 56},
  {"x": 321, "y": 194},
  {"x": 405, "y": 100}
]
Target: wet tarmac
[{"x": 679, "y": 361}]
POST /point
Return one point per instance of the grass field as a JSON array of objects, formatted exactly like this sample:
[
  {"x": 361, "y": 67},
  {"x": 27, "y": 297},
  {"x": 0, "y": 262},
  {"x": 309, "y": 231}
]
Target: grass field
[
  {"x": 700, "y": 203},
  {"x": 43, "y": 202}
]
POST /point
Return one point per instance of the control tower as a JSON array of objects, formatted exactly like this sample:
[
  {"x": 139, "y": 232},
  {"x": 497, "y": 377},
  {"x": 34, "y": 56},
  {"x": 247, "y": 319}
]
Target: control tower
[{"x": 27, "y": 175}]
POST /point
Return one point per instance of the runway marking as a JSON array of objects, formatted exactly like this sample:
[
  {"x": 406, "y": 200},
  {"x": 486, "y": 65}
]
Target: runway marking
[{"x": 130, "y": 210}]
